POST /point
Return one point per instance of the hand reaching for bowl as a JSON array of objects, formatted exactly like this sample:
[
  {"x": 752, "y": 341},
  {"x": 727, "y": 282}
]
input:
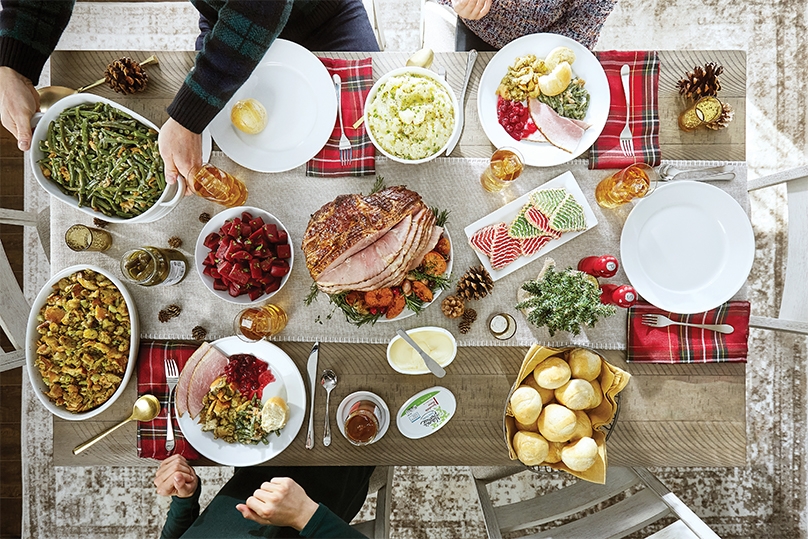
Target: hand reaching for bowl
[
  {"x": 175, "y": 477},
  {"x": 471, "y": 9},
  {"x": 280, "y": 502},
  {"x": 19, "y": 101}
]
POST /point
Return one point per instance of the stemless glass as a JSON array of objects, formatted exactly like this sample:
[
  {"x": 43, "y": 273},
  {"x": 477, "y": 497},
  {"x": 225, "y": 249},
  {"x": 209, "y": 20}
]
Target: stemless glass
[
  {"x": 216, "y": 185},
  {"x": 634, "y": 181},
  {"x": 256, "y": 323},
  {"x": 505, "y": 166}
]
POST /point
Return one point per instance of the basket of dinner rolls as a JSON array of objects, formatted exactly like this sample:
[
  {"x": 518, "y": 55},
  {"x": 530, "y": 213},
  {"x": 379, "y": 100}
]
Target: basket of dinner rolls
[{"x": 560, "y": 408}]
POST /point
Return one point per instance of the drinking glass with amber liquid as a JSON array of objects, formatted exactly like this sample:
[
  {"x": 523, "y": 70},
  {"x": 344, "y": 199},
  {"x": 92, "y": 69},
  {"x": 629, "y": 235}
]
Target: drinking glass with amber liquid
[
  {"x": 634, "y": 181},
  {"x": 256, "y": 323},
  {"x": 216, "y": 185},
  {"x": 505, "y": 166}
]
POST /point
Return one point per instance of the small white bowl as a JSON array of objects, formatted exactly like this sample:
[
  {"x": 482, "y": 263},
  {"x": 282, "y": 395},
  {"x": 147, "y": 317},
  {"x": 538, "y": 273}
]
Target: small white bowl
[
  {"x": 397, "y": 342},
  {"x": 412, "y": 71},
  {"x": 383, "y": 412},
  {"x": 214, "y": 225},
  {"x": 171, "y": 196},
  {"x": 31, "y": 337}
]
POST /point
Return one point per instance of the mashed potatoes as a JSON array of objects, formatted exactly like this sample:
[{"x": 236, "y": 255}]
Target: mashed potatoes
[{"x": 411, "y": 116}]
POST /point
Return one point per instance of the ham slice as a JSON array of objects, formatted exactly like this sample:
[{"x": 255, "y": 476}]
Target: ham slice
[
  {"x": 559, "y": 131},
  {"x": 181, "y": 394},
  {"x": 210, "y": 367}
]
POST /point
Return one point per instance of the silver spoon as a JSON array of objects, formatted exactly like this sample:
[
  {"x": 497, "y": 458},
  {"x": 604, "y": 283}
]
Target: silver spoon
[{"x": 329, "y": 381}]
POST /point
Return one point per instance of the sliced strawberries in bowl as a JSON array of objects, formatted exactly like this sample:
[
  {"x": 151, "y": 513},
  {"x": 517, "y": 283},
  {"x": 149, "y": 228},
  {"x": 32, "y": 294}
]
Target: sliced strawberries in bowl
[{"x": 243, "y": 255}]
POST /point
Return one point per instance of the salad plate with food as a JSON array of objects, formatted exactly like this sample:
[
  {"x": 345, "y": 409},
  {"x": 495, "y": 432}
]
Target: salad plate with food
[
  {"x": 379, "y": 257},
  {"x": 240, "y": 403},
  {"x": 545, "y": 94}
]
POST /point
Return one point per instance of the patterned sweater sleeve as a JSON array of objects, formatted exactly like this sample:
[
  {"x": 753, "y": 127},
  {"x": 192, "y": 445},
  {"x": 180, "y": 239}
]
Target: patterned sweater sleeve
[
  {"x": 29, "y": 31},
  {"x": 242, "y": 34}
]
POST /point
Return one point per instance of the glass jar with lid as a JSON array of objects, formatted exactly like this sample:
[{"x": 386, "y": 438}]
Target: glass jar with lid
[{"x": 152, "y": 266}]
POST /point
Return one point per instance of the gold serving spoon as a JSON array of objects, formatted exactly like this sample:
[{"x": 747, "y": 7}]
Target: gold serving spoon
[
  {"x": 146, "y": 408},
  {"x": 420, "y": 58},
  {"x": 48, "y": 95}
]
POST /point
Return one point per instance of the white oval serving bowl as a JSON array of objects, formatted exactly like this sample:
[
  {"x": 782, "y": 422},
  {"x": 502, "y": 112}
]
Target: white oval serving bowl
[
  {"x": 31, "y": 337},
  {"x": 201, "y": 252},
  {"x": 415, "y": 331},
  {"x": 170, "y": 198},
  {"x": 411, "y": 71}
]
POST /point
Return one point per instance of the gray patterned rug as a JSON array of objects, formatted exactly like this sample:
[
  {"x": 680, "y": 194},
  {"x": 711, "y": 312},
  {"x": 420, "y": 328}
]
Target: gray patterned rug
[{"x": 764, "y": 499}]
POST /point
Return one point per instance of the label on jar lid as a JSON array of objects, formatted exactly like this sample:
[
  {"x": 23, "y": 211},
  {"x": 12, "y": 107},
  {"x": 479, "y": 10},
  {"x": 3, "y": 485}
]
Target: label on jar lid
[{"x": 426, "y": 412}]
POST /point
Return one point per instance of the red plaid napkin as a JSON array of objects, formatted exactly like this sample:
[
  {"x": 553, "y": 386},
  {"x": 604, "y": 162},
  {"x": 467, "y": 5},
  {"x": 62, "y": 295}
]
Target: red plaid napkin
[
  {"x": 680, "y": 344},
  {"x": 644, "y": 120},
  {"x": 151, "y": 378},
  {"x": 357, "y": 79}
]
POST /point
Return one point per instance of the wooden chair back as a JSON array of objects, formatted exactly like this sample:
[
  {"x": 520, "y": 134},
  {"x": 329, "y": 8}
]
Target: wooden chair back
[
  {"x": 631, "y": 514},
  {"x": 13, "y": 315},
  {"x": 793, "y": 314},
  {"x": 381, "y": 482},
  {"x": 372, "y": 7}
]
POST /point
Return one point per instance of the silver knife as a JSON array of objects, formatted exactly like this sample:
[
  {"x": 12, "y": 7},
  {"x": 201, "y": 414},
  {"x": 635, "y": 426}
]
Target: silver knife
[
  {"x": 461, "y": 109},
  {"x": 431, "y": 364},
  {"x": 311, "y": 368}
]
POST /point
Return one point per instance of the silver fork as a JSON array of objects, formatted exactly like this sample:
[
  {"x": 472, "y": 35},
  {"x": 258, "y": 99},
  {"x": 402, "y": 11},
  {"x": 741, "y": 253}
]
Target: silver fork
[
  {"x": 626, "y": 138},
  {"x": 720, "y": 172},
  {"x": 661, "y": 321},
  {"x": 172, "y": 377},
  {"x": 345, "y": 150}
]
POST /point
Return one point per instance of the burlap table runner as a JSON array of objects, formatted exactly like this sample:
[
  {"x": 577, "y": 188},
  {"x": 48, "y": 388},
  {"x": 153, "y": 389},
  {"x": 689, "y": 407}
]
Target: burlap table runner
[{"x": 446, "y": 183}]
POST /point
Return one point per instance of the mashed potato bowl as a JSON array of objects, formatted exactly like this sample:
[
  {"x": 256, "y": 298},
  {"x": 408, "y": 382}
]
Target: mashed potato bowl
[{"x": 411, "y": 115}]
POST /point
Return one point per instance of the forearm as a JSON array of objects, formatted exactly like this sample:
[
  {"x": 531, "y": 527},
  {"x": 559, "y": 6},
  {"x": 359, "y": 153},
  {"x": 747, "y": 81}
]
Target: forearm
[
  {"x": 241, "y": 36},
  {"x": 325, "y": 524},
  {"x": 182, "y": 513},
  {"x": 29, "y": 31}
]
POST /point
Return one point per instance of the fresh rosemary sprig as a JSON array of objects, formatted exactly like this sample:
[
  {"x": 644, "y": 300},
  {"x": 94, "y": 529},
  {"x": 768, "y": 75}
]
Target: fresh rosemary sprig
[
  {"x": 414, "y": 303},
  {"x": 313, "y": 291},
  {"x": 438, "y": 281},
  {"x": 441, "y": 216},
  {"x": 351, "y": 313},
  {"x": 378, "y": 186}
]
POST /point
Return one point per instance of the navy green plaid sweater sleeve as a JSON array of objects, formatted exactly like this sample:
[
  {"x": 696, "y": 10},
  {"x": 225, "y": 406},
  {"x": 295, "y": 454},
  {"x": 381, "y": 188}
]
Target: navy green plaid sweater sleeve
[
  {"x": 29, "y": 31},
  {"x": 242, "y": 34}
]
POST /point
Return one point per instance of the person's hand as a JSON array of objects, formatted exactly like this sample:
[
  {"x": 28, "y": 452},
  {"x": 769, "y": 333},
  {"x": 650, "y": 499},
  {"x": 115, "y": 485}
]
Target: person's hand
[
  {"x": 471, "y": 9},
  {"x": 280, "y": 502},
  {"x": 19, "y": 101},
  {"x": 180, "y": 149},
  {"x": 175, "y": 477}
]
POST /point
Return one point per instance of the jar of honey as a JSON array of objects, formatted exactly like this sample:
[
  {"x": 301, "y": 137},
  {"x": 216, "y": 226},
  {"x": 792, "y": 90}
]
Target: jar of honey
[{"x": 362, "y": 423}]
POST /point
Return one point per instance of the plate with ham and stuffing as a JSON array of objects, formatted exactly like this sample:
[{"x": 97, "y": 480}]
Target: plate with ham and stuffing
[
  {"x": 379, "y": 257},
  {"x": 531, "y": 226},
  {"x": 547, "y": 95},
  {"x": 240, "y": 403}
]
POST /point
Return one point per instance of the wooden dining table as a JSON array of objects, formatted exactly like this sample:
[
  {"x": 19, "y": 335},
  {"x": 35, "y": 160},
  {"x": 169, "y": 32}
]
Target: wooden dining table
[{"x": 669, "y": 414}]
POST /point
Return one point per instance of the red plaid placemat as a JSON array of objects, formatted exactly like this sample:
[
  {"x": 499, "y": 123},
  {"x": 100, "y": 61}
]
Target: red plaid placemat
[
  {"x": 680, "y": 344},
  {"x": 357, "y": 79},
  {"x": 644, "y": 120},
  {"x": 151, "y": 378}
]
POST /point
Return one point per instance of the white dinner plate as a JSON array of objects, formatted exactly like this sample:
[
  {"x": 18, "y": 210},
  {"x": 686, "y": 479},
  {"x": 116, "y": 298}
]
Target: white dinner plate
[
  {"x": 297, "y": 92},
  {"x": 586, "y": 67},
  {"x": 506, "y": 214},
  {"x": 288, "y": 385},
  {"x": 688, "y": 247}
]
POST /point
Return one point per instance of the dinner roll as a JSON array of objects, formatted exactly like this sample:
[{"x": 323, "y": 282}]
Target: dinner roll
[
  {"x": 556, "y": 423},
  {"x": 530, "y": 427},
  {"x": 583, "y": 426},
  {"x": 598, "y": 396},
  {"x": 580, "y": 455},
  {"x": 554, "y": 454},
  {"x": 547, "y": 395},
  {"x": 526, "y": 404},
  {"x": 530, "y": 448},
  {"x": 576, "y": 394},
  {"x": 551, "y": 373},
  {"x": 584, "y": 364}
]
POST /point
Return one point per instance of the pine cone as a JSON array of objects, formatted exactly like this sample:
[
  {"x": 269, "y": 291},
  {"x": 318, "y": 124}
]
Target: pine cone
[
  {"x": 452, "y": 306},
  {"x": 100, "y": 223},
  {"x": 204, "y": 217},
  {"x": 175, "y": 242},
  {"x": 470, "y": 315},
  {"x": 199, "y": 333},
  {"x": 701, "y": 81},
  {"x": 475, "y": 284},
  {"x": 464, "y": 326},
  {"x": 173, "y": 310},
  {"x": 126, "y": 76},
  {"x": 164, "y": 316},
  {"x": 723, "y": 121}
]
